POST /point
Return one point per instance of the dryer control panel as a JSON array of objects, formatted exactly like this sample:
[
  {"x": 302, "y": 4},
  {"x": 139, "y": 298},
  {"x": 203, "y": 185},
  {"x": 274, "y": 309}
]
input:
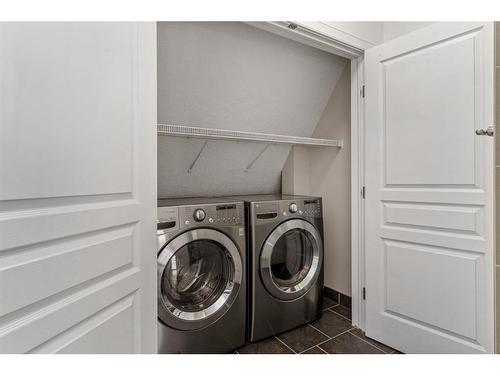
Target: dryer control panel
[{"x": 283, "y": 209}]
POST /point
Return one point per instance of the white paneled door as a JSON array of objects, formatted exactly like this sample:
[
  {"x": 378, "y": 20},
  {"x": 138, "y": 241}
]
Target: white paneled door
[
  {"x": 429, "y": 190},
  {"x": 77, "y": 187}
]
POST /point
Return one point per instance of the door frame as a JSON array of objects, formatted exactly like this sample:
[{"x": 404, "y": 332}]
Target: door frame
[{"x": 342, "y": 45}]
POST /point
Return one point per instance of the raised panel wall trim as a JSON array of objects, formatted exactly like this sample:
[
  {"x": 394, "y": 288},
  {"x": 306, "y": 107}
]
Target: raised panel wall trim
[
  {"x": 415, "y": 41},
  {"x": 440, "y": 343},
  {"x": 16, "y": 205},
  {"x": 450, "y": 159},
  {"x": 440, "y": 300},
  {"x": 50, "y": 269},
  {"x": 441, "y": 196},
  {"x": 438, "y": 330},
  {"x": 463, "y": 242},
  {"x": 454, "y": 343},
  {"x": 23, "y": 332},
  {"x": 466, "y": 219},
  {"x": 64, "y": 342},
  {"x": 28, "y": 227},
  {"x": 423, "y": 46},
  {"x": 75, "y": 83}
]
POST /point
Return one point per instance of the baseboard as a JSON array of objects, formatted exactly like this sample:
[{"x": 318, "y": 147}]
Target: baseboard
[{"x": 337, "y": 297}]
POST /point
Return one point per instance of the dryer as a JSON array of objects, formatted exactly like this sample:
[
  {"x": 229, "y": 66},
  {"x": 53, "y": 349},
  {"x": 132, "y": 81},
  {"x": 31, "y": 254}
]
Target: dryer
[
  {"x": 201, "y": 275},
  {"x": 285, "y": 242}
]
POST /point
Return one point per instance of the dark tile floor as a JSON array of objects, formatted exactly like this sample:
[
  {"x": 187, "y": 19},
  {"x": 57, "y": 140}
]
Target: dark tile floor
[{"x": 332, "y": 334}]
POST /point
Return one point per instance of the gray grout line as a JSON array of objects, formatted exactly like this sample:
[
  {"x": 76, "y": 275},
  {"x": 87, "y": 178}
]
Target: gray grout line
[
  {"x": 383, "y": 351},
  {"x": 317, "y": 329},
  {"x": 293, "y": 351},
  {"x": 327, "y": 308},
  {"x": 369, "y": 343},
  {"x": 324, "y": 351},
  {"x": 329, "y": 338},
  {"x": 346, "y": 318}
]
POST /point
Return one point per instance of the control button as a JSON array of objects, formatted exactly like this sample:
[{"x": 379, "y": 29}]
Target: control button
[
  {"x": 293, "y": 208},
  {"x": 199, "y": 215},
  {"x": 300, "y": 212},
  {"x": 186, "y": 222},
  {"x": 285, "y": 213},
  {"x": 210, "y": 220}
]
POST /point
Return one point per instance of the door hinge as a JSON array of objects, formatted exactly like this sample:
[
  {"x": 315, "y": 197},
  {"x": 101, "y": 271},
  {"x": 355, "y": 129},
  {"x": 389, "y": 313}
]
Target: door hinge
[
  {"x": 364, "y": 293},
  {"x": 363, "y": 190},
  {"x": 363, "y": 91}
]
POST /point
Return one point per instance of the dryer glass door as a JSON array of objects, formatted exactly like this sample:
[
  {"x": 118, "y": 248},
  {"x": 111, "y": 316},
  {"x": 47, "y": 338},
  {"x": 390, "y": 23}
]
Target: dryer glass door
[
  {"x": 291, "y": 259},
  {"x": 199, "y": 276}
]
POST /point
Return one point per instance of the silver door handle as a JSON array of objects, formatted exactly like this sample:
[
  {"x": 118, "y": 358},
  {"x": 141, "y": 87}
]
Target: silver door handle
[{"x": 489, "y": 132}]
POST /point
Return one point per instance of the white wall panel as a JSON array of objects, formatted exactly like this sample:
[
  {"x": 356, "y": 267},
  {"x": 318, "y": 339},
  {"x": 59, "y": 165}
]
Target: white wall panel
[
  {"x": 428, "y": 127},
  {"x": 56, "y": 114}
]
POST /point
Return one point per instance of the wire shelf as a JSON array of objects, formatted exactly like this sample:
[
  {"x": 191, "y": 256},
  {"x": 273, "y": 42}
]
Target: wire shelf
[{"x": 207, "y": 133}]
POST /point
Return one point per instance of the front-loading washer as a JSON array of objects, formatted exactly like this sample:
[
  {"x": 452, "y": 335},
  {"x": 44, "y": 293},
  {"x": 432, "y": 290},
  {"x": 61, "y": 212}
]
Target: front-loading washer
[
  {"x": 201, "y": 275},
  {"x": 285, "y": 262}
]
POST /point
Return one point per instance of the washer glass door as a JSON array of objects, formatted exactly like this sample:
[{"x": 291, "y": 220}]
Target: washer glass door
[
  {"x": 199, "y": 276},
  {"x": 291, "y": 259}
]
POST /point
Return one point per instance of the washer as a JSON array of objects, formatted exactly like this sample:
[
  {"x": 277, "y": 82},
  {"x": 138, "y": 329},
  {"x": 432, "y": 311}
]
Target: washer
[
  {"x": 201, "y": 275},
  {"x": 285, "y": 242}
]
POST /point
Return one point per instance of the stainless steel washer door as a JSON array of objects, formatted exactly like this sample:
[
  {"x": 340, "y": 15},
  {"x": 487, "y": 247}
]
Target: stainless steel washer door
[
  {"x": 199, "y": 277},
  {"x": 291, "y": 258}
]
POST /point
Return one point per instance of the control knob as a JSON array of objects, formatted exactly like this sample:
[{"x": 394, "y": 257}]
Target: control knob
[
  {"x": 293, "y": 208},
  {"x": 199, "y": 215}
]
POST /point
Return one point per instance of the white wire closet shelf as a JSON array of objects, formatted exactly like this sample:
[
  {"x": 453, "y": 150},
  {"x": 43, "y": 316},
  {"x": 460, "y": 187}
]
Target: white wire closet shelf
[{"x": 208, "y": 133}]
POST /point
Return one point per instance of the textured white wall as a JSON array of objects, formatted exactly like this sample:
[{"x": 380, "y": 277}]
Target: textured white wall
[
  {"x": 326, "y": 172},
  {"x": 235, "y": 76}
]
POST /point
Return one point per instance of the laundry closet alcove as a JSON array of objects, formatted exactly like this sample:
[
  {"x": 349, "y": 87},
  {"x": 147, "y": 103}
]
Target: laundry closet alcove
[{"x": 254, "y": 85}]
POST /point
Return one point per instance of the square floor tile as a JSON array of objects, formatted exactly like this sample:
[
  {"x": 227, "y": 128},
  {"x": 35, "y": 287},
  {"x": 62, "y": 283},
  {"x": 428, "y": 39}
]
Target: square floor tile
[
  {"x": 314, "y": 350},
  {"x": 349, "y": 344},
  {"x": 327, "y": 303},
  {"x": 267, "y": 346},
  {"x": 302, "y": 338},
  {"x": 359, "y": 333},
  {"x": 332, "y": 324},
  {"x": 342, "y": 310}
]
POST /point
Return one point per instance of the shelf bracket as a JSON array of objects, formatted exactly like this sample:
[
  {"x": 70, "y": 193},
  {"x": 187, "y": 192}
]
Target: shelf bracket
[
  {"x": 250, "y": 165},
  {"x": 197, "y": 156}
]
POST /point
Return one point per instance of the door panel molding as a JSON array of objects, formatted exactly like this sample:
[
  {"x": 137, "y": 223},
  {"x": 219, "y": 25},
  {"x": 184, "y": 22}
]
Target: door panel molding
[{"x": 453, "y": 218}]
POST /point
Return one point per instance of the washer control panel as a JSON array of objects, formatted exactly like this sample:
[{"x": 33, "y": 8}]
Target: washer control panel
[
  {"x": 199, "y": 214},
  {"x": 280, "y": 210},
  {"x": 175, "y": 218}
]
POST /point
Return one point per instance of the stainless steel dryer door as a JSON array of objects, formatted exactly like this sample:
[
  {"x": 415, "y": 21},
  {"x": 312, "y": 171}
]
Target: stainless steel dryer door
[
  {"x": 199, "y": 277},
  {"x": 291, "y": 259}
]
